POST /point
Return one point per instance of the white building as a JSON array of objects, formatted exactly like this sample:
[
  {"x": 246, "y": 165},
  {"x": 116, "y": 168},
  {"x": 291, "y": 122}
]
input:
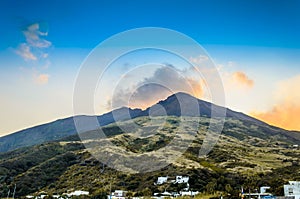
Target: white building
[
  {"x": 264, "y": 189},
  {"x": 182, "y": 179},
  {"x": 161, "y": 180},
  {"x": 189, "y": 193},
  {"x": 78, "y": 193},
  {"x": 292, "y": 189},
  {"x": 118, "y": 194}
]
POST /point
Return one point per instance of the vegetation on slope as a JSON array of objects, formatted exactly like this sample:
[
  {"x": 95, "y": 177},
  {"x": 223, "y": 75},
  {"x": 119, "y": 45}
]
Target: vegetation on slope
[{"x": 247, "y": 154}]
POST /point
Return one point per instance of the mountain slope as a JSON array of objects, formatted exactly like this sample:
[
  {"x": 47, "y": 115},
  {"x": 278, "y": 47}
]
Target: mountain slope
[
  {"x": 55, "y": 130},
  {"x": 245, "y": 155},
  {"x": 173, "y": 106}
]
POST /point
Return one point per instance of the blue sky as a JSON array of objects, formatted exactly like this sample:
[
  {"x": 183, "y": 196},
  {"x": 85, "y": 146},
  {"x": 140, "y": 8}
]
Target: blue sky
[
  {"x": 85, "y": 23},
  {"x": 253, "y": 43}
]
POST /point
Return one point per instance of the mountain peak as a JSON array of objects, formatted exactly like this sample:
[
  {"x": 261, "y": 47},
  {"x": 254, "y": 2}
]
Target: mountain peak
[
  {"x": 178, "y": 104},
  {"x": 181, "y": 95}
]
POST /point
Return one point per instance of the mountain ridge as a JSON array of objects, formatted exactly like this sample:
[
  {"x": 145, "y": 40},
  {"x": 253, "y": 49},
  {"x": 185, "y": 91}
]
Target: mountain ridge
[{"x": 172, "y": 105}]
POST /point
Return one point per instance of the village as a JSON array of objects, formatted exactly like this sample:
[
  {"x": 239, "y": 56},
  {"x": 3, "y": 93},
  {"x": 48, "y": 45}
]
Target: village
[{"x": 291, "y": 191}]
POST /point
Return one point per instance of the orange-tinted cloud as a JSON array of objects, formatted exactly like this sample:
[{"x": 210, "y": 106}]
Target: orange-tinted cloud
[
  {"x": 196, "y": 87},
  {"x": 42, "y": 79},
  {"x": 285, "y": 113},
  {"x": 150, "y": 94},
  {"x": 164, "y": 82},
  {"x": 242, "y": 79}
]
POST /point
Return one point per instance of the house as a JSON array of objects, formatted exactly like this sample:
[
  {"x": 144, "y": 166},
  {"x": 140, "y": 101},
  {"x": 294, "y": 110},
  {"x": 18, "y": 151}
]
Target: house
[
  {"x": 189, "y": 193},
  {"x": 292, "y": 189},
  {"x": 264, "y": 189},
  {"x": 117, "y": 194},
  {"x": 164, "y": 194},
  {"x": 161, "y": 180},
  {"x": 263, "y": 193},
  {"x": 182, "y": 179},
  {"x": 78, "y": 193}
]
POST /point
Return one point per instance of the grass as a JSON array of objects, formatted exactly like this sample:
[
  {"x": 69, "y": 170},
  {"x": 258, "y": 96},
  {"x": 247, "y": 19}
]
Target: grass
[{"x": 236, "y": 156}]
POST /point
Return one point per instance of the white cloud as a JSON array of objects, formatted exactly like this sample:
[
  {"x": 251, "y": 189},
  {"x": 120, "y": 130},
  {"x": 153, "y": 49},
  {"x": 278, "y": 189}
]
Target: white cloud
[
  {"x": 33, "y": 36},
  {"x": 45, "y": 55},
  {"x": 199, "y": 60},
  {"x": 34, "y": 49},
  {"x": 35, "y": 45},
  {"x": 25, "y": 52}
]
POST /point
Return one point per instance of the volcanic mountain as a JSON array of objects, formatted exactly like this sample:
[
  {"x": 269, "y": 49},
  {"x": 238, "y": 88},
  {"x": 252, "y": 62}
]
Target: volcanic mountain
[
  {"x": 179, "y": 104},
  {"x": 53, "y": 158}
]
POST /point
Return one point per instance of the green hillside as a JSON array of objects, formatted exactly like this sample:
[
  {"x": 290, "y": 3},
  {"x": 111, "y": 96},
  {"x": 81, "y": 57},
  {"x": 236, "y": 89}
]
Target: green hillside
[{"x": 247, "y": 154}]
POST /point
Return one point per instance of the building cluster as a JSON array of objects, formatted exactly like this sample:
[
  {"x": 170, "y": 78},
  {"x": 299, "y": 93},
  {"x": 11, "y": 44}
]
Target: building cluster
[
  {"x": 177, "y": 180},
  {"x": 120, "y": 194},
  {"x": 292, "y": 189},
  {"x": 63, "y": 196},
  {"x": 263, "y": 194}
]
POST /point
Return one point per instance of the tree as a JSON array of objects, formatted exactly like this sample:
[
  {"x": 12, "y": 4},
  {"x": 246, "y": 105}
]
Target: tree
[
  {"x": 228, "y": 188},
  {"x": 129, "y": 194},
  {"x": 100, "y": 194},
  {"x": 146, "y": 192},
  {"x": 211, "y": 186}
]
